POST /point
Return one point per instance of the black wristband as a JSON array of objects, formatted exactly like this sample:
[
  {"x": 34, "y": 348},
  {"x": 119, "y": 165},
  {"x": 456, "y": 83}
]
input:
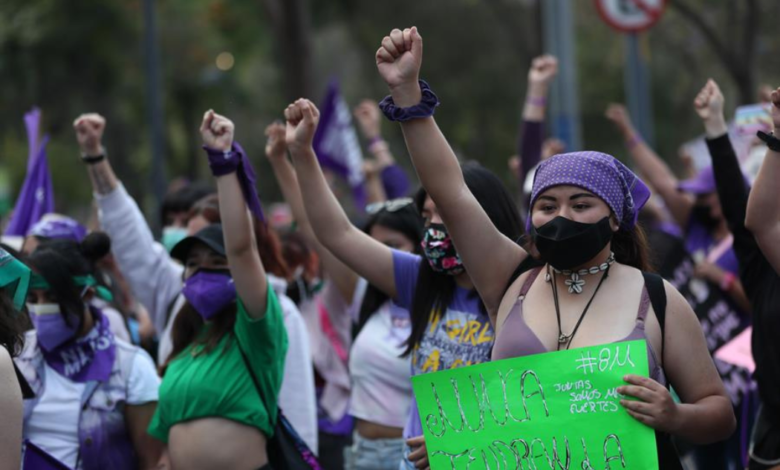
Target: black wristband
[
  {"x": 770, "y": 140},
  {"x": 92, "y": 159}
]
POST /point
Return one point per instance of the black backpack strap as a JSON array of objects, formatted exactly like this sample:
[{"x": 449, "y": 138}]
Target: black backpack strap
[{"x": 657, "y": 292}]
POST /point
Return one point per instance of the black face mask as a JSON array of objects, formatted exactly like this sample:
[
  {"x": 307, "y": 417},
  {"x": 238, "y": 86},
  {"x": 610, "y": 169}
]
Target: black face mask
[
  {"x": 566, "y": 244},
  {"x": 703, "y": 215}
]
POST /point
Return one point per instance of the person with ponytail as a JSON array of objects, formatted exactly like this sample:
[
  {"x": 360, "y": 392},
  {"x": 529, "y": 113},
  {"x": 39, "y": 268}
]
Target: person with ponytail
[
  {"x": 14, "y": 281},
  {"x": 381, "y": 390},
  {"x": 95, "y": 394},
  {"x": 450, "y": 327},
  {"x": 218, "y": 400},
  {"x": 591, "y": 289}
]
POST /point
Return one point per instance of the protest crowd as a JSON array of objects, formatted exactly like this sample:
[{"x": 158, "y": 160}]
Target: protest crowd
[{"x": 238, "y": 341}]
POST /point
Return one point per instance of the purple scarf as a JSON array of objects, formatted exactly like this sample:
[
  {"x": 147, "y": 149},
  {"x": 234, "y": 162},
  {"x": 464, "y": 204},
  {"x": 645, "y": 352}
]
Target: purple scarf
[
  {"x": 87, "y": 358},
  {"x": 599, "y": 173}
]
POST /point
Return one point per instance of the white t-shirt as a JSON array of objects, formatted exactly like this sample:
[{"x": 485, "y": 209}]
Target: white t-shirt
[
  {"x": 381, "y": 379},
  {"x": 54, "y": 423}
]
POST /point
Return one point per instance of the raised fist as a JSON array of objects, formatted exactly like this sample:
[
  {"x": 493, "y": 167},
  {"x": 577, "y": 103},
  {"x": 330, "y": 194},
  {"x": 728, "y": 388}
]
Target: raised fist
[
  {"x": 369, "y": 118},
  {"x": 89, "y": 133},
  {"x": 217, "y": 131},
  {"x": 709, "y": 101},
  {"x": 543, "y": 70},
  {"x": 276, "y": 145},
  {"x": 775, "y": 110},
  {"x": 302, "y": 119},
  {"x": 400, "y": 57},
  {"x": 618, "y": 114}
]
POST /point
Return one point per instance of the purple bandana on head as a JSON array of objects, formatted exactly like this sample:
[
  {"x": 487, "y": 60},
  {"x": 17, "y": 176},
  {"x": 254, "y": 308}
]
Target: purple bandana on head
[
  {"x": 59, "y": 227},
  {"x": 599, "y": 173},
  {"x": 87, "y": 358}
]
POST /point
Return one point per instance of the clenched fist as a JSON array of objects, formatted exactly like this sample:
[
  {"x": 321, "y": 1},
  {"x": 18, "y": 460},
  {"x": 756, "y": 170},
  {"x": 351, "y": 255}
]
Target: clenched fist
[
  {"x": 89, "y": 133},
  {"x": 399, "y": 61},
  {"x": 217, "y": 131},
  {"x": 275, "y": 145},
  {"x": 709, "y": 102},
  {"x": 369, "y": 118},
  {"x": 776, "y": 109},
  {"x": 543, "y": 70},
  {"x": 302, "y": 119}
]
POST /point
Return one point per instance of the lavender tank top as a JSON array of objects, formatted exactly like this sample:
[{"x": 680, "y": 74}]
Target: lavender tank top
[{"x": 516, "y": 339}]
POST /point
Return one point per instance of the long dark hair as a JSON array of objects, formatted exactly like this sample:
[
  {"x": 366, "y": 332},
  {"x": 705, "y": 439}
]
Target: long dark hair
[
  {"x": 188, "y": 326},
  {"x": 406, "y": 221},
  {"x": 435, "y": 291},
  {"x": 59, "y": 261}
]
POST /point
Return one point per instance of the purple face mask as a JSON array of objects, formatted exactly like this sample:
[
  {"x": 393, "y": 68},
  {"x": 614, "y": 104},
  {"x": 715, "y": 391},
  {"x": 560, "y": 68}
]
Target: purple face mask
[
  {"x": 50, "y": 326},
  {"x": 209, "y": 291}
]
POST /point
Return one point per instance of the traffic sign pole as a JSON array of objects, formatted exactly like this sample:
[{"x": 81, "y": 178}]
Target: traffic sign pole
[{"x": 638, "y": 94}]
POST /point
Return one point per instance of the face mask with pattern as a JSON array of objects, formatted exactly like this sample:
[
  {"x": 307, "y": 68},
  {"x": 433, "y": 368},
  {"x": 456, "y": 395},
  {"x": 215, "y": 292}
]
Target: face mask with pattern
[{"x": 440, "y": 251}]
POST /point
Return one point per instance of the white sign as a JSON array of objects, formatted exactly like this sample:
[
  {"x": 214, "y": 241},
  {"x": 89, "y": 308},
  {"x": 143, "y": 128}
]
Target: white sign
[{"x": 630, "y": 16}]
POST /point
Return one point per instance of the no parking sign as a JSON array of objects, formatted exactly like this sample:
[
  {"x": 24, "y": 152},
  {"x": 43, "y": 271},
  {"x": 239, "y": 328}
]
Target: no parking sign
[{"x": 630, "y": 16}]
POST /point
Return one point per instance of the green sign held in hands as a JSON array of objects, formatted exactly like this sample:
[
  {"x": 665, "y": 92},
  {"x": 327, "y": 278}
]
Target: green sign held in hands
[{"x": 558, "y": 410}]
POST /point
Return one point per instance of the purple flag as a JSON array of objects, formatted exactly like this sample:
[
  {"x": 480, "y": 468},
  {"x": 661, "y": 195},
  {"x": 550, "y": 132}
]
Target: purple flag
[
  {"x": 336, "y": 143},
  {"x": 37, "y": 195}
]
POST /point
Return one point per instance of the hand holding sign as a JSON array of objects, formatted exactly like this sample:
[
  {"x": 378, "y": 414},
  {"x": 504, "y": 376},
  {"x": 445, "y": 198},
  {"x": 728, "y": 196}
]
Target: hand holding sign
[
  {"x": 217, "y": 131},
  {"x": 399, "y": 61},
  {"x": 89, "y": 133},
  {"x": 655, "y": 408},
  {"x": 302, "y": 119}
]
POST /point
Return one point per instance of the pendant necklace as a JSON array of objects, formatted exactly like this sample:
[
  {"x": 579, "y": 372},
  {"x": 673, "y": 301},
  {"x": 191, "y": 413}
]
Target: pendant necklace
[
  {"x": 567, "y": 339},
  {"x": 576, "y": 282}
]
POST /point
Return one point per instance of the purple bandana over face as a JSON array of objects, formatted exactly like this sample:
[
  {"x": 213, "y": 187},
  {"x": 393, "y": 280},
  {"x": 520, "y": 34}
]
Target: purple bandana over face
[
  {"x": 87, "y": 358},
  {"x": 209, "y": 291},
  {"x": 599, "y": 173}
]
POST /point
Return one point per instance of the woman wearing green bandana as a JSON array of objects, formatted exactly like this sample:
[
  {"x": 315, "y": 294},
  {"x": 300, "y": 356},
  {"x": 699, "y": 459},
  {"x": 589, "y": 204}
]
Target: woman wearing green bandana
[{"x": 14, "y": 278}]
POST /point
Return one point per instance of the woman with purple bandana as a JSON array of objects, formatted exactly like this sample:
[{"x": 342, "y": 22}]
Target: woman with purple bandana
[
  {"x": 94, "y": 393},
  {"x": 582, "y": 225},
  {"x": 218, "y": 400},
  {"x": 450, "y": 327}
]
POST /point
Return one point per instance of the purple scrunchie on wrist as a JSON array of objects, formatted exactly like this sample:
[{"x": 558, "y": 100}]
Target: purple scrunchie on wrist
[
  {"x": 235, "y": 160},
  {"x": 424, "y": 109}
]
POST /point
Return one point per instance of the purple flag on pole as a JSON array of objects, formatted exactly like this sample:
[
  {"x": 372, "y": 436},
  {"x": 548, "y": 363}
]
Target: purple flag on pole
[
  {"x": 336, "y": 143},
  {"x": 37, "y": 195}
]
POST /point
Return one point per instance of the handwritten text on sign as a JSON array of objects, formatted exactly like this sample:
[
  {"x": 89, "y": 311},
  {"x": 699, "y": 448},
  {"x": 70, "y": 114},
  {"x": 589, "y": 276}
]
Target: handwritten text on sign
[{"x": 552, "y": 411}]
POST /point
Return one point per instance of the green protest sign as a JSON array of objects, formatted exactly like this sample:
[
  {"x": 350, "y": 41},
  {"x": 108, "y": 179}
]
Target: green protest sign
[{"x": 558, "y": 410}]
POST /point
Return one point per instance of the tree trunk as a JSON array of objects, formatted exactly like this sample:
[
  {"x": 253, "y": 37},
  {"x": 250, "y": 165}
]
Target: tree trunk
[{"x": 291, "y": 23}]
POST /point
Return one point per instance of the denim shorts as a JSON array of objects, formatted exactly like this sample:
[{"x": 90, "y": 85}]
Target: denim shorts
[
  {"x": 379, "y": 454},
  {"x": 406, "y": 464}
]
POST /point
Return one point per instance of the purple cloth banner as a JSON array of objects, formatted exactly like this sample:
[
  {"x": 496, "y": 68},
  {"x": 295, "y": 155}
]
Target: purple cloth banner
[
  {"x": 37, "y": 195},
  {"x": 336, "y": 143}
]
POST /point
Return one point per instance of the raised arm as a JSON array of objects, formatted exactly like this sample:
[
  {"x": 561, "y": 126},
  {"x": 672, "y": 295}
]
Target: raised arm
[
  {"x": 763, "y": 210},
  {"x": 153, "y": 277},
  {"x": 343, "y": 278},
  {"x": 542, "y": 72},
  {"x": 384, "y": 178},
  {"x": 490, "y": 258},
  {"x": 240, "y": 244},
  {"x": 732, "y": 191},
  {"x": 652, "y": 167},
  {"x": 364, "y": 255}
]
